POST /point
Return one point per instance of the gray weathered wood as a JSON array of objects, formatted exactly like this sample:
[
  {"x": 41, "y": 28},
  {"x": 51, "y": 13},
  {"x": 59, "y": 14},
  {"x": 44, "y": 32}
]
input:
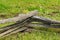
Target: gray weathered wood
[
  {"x": 16, "y": 31},
  {"x": 45, "y": 20},
  {"x": 20, "y": 17}
]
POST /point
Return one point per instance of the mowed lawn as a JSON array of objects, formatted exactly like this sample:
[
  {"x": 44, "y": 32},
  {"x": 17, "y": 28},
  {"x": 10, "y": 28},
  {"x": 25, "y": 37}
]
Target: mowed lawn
[{"x": 46, "y": 8}]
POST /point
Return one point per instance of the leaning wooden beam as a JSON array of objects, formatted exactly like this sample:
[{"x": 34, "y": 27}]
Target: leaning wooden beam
[
  {"x": 45, "y": 20},
  {"x": 20, "y": 17}
]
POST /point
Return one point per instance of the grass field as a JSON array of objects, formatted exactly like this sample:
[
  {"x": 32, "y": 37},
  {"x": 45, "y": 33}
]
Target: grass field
[{"x": 46, "y": 8}]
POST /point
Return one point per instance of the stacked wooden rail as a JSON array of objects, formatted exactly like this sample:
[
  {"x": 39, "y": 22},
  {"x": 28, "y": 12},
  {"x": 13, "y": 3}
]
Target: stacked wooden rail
[{"x": 24, "y": 22}]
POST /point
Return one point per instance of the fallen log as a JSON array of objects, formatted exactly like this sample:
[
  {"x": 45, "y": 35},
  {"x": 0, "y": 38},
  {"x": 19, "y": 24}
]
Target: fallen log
[
  {"x": 20, "y": 17},
  {"x": 44, "y": 27}
]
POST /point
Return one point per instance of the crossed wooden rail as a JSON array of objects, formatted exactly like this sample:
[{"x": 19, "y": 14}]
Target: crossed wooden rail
[{"x": 25, "y": 21}]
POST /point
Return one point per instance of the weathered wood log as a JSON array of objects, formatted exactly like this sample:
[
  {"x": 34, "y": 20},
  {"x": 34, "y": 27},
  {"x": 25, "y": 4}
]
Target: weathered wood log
[
  {"x": 44, "y": 20},
  {"x": 43, "y": 27},
  {"x": 20, "y": 17},
  {"x": 16, "y": 31}
]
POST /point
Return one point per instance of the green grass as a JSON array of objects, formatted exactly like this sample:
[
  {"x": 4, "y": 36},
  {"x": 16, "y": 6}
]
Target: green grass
[
  {"x": 36, "y": 35},
  {"x": 46, "y": 8}
]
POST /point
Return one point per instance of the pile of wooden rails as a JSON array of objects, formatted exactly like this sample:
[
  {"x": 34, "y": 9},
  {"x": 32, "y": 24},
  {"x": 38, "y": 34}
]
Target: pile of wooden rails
[{"x": 26, "y": 21}]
